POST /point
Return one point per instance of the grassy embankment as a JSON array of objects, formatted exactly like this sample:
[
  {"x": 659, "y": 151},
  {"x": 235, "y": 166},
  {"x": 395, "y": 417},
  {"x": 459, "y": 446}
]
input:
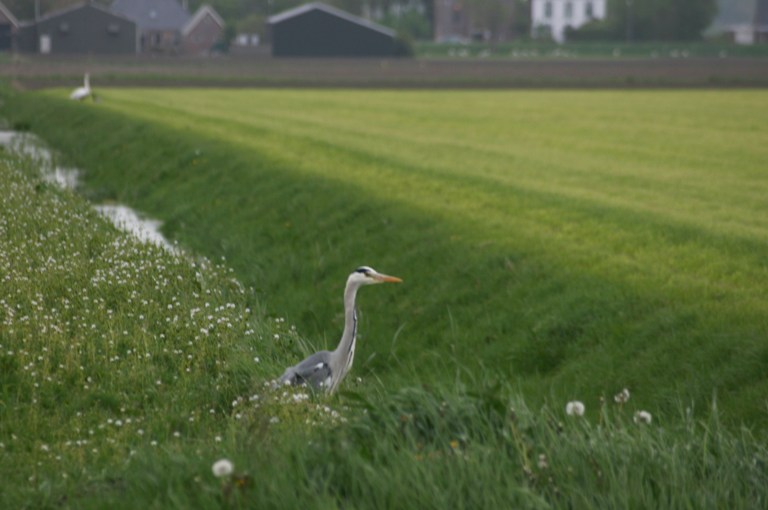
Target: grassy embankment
[
  {"x": 85, "y": 423},
  {"x": 573, "y": 242},
  {"x": 120, "y": 361}
]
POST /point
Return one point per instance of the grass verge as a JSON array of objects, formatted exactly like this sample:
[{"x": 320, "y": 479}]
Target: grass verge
[{"x": 128, "y": 371}]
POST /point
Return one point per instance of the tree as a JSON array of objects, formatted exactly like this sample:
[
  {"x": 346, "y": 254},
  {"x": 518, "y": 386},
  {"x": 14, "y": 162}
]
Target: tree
[{"x": 671, "y": 20}]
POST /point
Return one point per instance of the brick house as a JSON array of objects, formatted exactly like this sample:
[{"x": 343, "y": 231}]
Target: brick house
[
  {"x": 166, "y": 26},
  {"x": 202, "y": 31}
]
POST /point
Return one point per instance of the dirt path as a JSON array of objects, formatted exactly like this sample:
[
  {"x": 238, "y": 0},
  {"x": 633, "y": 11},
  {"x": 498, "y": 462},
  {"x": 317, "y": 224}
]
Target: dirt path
[{"x": 231, "y": 71}]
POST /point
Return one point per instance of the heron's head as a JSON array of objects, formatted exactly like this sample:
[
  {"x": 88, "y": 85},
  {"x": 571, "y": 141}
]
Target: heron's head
[{"x": 365, "y": 275}]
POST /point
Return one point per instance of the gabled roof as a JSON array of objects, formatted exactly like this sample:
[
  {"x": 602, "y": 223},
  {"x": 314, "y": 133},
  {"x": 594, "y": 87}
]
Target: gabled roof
[
  {"x": 303, "y": 9},
  {"x": 9, "y": 15},
  {"x": 153, "y": 14},
  {"x": 199, "y": 16},
  {"x": 75, "y": 7}
]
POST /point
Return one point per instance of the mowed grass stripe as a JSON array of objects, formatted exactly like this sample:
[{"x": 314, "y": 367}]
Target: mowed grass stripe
[
  {"x": 314, "y": 143},
  {"x": 644, "y": 179},
  {"x": 455, "y": 184}
]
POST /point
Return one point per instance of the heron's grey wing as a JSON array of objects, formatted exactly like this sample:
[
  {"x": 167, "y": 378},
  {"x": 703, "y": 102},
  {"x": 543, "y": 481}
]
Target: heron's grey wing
[{"x": 315, "y": 370}]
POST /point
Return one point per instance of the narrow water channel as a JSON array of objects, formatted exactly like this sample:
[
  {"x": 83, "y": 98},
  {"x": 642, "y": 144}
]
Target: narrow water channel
[{"x": 123, "y": 217}]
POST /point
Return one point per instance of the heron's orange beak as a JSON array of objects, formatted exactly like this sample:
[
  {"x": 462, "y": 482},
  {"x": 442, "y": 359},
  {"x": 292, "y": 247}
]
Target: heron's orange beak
[{"x": 387, "y": 278}]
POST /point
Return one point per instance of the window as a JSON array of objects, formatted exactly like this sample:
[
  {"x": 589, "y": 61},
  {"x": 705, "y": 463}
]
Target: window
[
  {"x": 45, "y": 44},
  {"x": 547, "y": 10},
  {"x": 456, "y": 14},
  {"x": 568, "y": 10},
  {"x": 589, "y": 10},
  {"x": 113, "y": 28},
  {"x": 64, "y": 27}
]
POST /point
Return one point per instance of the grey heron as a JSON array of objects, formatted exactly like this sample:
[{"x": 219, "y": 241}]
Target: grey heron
[{"x": 325, "y": 369}]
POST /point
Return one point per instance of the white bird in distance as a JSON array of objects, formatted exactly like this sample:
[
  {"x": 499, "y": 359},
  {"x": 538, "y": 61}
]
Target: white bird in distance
[{"x": 81, "y": 93}]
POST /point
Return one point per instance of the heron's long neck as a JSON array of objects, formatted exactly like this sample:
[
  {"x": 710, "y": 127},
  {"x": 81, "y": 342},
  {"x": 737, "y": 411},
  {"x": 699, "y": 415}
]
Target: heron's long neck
[
  {"x": 87, "y": 82},
  {"x": 345, "y": 352}
]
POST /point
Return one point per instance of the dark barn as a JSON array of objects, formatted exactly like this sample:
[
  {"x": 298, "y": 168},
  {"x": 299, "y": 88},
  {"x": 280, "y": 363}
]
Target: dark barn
[
  {"x": 319, "y": 30},
  {"x": 81, "y": 29},
  {"x": 8, "y": 27}
]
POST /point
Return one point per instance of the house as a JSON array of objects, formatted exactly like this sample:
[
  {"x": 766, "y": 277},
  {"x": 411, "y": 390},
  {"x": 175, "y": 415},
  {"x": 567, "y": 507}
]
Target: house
[
  {"x": 166, "y": 26},
  {"x": 734, "y": 21},
  {"x": 319, "y": 30},
  {"x": 79, "y": 29},
  {"x": 159, "y": 21},
  {"x": 202, "y": 31},
  {"x": 552, "y": 17},
  {"x": 464, "y": 21}
]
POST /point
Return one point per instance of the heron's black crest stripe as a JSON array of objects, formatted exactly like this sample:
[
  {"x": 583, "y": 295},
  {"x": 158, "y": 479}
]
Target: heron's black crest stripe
[
  {"x": 354, "y": 330},
  {"x": 363, "y": 270},
  {"x": 351, "y": 351}
]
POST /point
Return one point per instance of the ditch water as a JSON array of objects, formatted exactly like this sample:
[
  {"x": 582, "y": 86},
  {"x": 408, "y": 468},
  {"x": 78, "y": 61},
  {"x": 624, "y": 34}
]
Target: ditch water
[{"x": 123, "y": 217}]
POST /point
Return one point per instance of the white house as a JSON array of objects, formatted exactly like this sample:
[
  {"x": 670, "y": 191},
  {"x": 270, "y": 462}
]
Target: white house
[{"x": 556, "y": 15}]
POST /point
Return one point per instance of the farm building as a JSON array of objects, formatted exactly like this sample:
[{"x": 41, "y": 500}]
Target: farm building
[
  {"x": 319, "y": 30},
  {"x": 166, "y": 26},
  {"x": 8, "y": 27},
  {"x": 761, "y": 21},
  {"x": 552, "y": 17},
  {"x": 79, "y": 29}
]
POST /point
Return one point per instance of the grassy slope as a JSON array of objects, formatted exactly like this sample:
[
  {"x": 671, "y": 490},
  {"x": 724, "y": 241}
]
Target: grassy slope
[
  {"x": 100, "y": 353},
  {"x": 91, "y": 320},
  {"x": 576, "y": 242}
]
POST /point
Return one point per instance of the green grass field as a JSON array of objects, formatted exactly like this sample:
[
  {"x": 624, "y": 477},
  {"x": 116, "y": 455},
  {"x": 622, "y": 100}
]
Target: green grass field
[{"x": 554, "y": 246}]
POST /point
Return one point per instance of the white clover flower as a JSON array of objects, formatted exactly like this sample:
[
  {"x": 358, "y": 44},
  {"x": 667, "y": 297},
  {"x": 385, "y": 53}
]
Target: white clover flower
[
  {"x": 622, "y": 397},
  {"x": 643, "y": 417},
  {"x": 222, "y": 467},
  {"x": 574, "y": 408}
]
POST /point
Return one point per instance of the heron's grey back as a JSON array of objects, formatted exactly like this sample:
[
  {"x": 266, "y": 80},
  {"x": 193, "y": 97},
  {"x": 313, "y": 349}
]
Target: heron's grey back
[{"x": 315, "y": 370}]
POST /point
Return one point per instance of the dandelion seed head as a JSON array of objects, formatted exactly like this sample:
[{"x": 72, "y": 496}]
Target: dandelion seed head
[
  {"x": 622, "y": 397},
  {"x": 643, "y": 417},
  {"x": 222, "y": 467},
  {"x": 574, "y": 408}
]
